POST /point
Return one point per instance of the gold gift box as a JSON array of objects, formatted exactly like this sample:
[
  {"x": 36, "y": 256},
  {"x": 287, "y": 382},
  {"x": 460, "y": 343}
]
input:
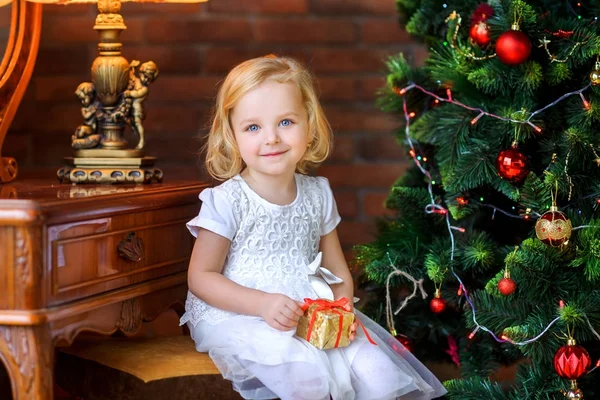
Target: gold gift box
[{"x": 324, "y": 332}]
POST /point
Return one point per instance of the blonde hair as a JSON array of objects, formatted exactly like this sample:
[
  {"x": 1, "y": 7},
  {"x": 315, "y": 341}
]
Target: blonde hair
[{"x": 223, "y": 159}]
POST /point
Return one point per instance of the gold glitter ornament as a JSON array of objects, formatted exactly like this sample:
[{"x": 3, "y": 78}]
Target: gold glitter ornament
[
  {"x": 595, "y": 74},
  {"x": 553, "y": 227}
]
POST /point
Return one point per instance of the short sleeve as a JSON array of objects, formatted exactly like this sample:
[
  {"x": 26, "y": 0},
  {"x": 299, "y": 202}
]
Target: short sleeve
[
  {"x": 216, "y": 214},
  {"x": 331, "y": 217}
]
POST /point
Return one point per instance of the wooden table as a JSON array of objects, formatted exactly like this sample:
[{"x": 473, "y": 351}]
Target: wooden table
[{"x": 88, "y": 257}]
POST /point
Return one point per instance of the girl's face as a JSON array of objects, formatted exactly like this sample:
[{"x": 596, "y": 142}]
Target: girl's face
[{"x": 271, "y": 128}]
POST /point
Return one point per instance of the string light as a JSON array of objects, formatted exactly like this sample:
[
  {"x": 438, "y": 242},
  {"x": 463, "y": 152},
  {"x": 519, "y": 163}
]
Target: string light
[
  {"x": 583, "y": 226},
  {"x": 432, "y": 207},
  {"x": 595, "y": 366},
  {"x": 527, "y": 215},
  {"x": 507, "y": 339},
  {"x": 483, "y": 112},
  {"x": 477, "y": 118},
  {"x": 586, "y": 104},
  {"x": 474, "y": 332},
  {"x": 437, "y": 209},
  {"x": 536, "y": 128}
]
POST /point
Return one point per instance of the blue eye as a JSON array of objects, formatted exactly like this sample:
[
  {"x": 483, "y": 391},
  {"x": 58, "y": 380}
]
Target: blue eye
[
  {"x": 285, "y": 122},
  {"x": 252, "y": 128}
]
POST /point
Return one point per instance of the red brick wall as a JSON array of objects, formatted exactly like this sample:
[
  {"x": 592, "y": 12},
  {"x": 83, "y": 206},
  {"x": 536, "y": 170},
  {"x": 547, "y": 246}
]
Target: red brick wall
[{"x": 344, "y": 42}]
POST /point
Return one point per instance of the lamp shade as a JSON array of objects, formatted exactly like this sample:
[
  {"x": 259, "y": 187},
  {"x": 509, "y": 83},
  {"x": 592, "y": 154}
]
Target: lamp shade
[{"x": 67, "y": 2}]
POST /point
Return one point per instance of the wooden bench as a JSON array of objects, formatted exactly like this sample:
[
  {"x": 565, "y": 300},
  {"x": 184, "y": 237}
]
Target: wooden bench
[{"x": 167, "y": 367}]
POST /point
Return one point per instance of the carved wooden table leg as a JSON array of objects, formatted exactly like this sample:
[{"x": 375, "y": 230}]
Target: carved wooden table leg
[{"x": 27, "y": 352}]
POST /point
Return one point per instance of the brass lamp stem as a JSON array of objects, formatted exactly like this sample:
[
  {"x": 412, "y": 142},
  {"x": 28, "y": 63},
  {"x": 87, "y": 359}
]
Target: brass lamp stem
[{"x": 110, "y": 71}]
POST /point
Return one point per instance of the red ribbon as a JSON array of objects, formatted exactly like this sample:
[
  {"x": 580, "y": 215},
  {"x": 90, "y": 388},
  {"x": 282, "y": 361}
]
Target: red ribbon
[{"x": 330, "y": 305}]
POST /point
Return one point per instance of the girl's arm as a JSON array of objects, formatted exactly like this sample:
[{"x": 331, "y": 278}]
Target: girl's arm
[
  {"x": 334, "y": 260},
  {"x": 207, "y": 283}
]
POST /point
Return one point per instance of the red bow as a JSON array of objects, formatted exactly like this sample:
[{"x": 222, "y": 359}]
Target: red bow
[{"x": 330, "y": 305}]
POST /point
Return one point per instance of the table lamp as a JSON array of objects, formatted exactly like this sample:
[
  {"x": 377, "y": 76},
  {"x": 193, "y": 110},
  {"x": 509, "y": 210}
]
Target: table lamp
[{"x": 111, "y": 101}]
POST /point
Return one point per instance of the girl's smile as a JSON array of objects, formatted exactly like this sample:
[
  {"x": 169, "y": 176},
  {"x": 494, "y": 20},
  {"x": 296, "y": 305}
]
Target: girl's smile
[{"x": 274, "y": 154}]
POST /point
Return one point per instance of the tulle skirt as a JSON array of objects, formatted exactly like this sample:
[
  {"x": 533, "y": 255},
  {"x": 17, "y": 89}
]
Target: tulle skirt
[{"x": 264, "y": 363}]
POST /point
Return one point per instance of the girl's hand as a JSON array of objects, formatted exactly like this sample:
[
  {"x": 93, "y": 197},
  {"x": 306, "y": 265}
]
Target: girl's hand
[
  {"x": 354, "y": 326},
  {"x": 280, "y": 311}
]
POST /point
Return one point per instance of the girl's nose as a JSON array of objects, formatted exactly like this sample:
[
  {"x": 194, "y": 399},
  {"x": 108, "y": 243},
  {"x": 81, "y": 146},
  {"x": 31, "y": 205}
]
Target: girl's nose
[{"x": 271, "y": 136}]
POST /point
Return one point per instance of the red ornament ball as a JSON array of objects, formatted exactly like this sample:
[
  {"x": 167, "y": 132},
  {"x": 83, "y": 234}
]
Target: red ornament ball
[
  {"x": 513, "y": 47},
  {"x": 437, "y": 305},
  {"x": 572, "y": 361},
  {"x": 553, "y": 227},
  {"x": 512, "y": 165},
  {"x": 480, "y": 34},
  {"x": 507, "y": 286},
  {"x": 405, "y": 341}
]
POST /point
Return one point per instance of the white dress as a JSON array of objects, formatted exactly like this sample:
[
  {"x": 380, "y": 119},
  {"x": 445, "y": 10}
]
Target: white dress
[{"x": 272, "y": 247}]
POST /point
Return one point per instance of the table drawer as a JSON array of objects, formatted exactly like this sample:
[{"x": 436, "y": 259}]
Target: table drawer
[{"x": 95, "y": 256}]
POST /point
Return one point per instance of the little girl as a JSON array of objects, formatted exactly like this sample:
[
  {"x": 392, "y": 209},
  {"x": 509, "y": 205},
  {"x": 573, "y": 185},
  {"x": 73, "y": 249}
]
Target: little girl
[{"x": 258, "y": 237}]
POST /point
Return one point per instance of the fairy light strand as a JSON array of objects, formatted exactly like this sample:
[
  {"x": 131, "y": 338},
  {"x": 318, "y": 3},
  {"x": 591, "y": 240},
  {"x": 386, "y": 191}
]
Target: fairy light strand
[
  {"x": 482, "y": 112},
  {"x": 507, "y": 213},
  {"x": 433, "y": 208},
  {"x": 591, "y": 327},
  {"x": 584, "y": 226}
]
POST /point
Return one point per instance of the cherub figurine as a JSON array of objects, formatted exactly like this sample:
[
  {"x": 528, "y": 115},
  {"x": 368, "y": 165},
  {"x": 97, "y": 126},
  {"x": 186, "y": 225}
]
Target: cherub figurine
[
  {"x": 138, "y": 91},
  {"x": 86, "y": 135}
]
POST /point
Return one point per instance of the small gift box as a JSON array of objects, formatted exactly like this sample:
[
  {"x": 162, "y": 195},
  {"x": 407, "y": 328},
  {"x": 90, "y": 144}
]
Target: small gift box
[{"x": 325, "y": 324}]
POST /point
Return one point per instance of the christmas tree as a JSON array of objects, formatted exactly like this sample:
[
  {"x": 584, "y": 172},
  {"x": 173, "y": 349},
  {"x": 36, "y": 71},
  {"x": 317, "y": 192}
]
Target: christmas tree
[{"x": 498, "y": 218}]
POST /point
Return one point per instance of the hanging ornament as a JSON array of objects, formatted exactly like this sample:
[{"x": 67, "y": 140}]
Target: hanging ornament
[
  {"x": 512, "y": 165},
  {"x": 513, "y": 46},
  {"x": 574, "y": 392},
  {"x": 506, "y": 285},
  {"x": 437, "y": 304},
  {"x": 404, "y": 340},
  {"x": 454, "y": 16},
  {"x": 553, "y": 227},
  {"x": 595, "y": 74},
  {"x": 480, "y": 30},
  {"x": 571, "y": 362},
  {"x": 480, "y": 34}
]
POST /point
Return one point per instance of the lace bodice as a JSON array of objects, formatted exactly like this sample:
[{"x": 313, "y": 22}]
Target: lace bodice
[{"x": 271, "y": 245}]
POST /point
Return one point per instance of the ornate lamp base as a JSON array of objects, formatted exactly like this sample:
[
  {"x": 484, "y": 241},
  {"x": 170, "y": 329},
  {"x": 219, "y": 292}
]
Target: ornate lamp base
[{"x": 109, "y": 170}]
